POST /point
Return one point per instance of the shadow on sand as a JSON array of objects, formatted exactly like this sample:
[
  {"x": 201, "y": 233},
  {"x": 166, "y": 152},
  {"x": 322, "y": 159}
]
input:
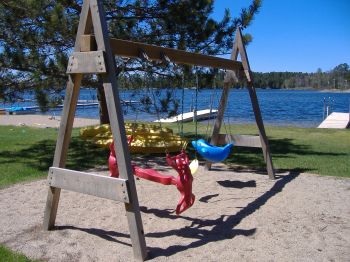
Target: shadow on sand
[{"x": 220, "y": 228}]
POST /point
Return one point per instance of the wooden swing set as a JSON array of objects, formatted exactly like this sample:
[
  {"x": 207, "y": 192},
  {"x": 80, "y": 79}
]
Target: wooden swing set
[{"x": 94, "y": 53}]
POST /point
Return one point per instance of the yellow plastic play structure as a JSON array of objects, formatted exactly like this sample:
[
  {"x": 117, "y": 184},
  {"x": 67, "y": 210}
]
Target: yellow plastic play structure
[{"x": 147, "y": 138}]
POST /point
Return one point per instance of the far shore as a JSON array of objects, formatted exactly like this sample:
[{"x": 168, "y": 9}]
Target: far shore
[{"x": 330, "y": 90}]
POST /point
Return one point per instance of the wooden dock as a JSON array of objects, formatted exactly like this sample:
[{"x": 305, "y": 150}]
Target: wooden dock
[
  {"x": 190, "y": 116},
  {"x": 336, "y": 120}
]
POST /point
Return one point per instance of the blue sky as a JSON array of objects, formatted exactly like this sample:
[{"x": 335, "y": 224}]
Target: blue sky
[{"x": 296, "y": 35}]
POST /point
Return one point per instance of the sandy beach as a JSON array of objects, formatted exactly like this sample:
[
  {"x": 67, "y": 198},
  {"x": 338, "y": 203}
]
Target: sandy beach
[
  {"x": 42, "y": 121},
  {"x": 237, "y": 216}
]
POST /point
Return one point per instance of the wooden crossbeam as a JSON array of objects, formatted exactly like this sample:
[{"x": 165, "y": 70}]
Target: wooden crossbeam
[
  {"x": 126, "y": 48},
  {"x": 90, "y": 184},
  {"x": 240, "y": 140}
]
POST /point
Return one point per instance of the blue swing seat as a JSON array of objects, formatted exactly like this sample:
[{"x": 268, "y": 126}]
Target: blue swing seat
[{"x": 210, "y": 152}]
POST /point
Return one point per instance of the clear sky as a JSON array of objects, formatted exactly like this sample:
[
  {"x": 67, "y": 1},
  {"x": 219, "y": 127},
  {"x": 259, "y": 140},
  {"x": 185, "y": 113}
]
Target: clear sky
[{"x": 296, "y": 35}]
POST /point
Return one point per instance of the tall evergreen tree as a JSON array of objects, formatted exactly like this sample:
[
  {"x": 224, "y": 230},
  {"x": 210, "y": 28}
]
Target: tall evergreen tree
[{"x": 37, "y": 36}]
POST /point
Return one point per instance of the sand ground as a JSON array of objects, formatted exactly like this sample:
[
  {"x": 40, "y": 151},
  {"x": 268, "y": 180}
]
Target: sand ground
[
  {"x": 42, "y": 121},
  {"x": 237, "y": 216}
]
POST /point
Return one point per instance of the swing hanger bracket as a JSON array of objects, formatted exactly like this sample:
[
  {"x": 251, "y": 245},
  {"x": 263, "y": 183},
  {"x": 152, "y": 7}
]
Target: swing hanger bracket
[
  {"x": 143, "y": 55},
  {"x": 165, "y": 59}
]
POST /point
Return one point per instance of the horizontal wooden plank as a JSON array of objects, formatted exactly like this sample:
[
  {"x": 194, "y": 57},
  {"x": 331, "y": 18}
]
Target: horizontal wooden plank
[
  {"x": 90, "y": 184},
  {"x": 240, "y": 140},
  {"x": 86, "y": 62},
  {"x": 132, "y": 49}
]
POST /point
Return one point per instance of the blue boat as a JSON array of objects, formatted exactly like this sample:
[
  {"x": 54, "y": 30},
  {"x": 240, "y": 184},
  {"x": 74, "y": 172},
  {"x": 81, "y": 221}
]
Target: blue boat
[
  {"x": 210, "y": 152},
  {"x": 20, "y": 110}
]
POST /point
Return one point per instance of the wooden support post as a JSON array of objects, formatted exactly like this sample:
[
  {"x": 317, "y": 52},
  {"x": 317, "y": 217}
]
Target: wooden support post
[
  {"x": 239, "y": 48},
  {"x": 219, "y": 118},
  {"x": 262, "y": 134},
  {"x": 223, "y": 103},
  {"x": 70, "y": 102},
  {"x": 118, "y": 130},
  {"x": 93, "y": 16},
  {"x": 256, "y": 107},
  {"x": 66, "y": 125}
]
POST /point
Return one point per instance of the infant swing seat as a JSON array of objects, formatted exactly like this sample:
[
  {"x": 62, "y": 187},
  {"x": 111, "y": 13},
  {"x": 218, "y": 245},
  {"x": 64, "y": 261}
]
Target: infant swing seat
[{"x": 210, "y": 152}]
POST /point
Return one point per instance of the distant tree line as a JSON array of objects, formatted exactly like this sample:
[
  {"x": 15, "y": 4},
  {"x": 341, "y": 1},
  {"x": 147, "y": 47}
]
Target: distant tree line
[{"x": 337, "y": 78}]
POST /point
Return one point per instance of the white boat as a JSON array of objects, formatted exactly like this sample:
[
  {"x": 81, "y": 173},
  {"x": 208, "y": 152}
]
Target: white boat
[{"x": 190, "y": 116}]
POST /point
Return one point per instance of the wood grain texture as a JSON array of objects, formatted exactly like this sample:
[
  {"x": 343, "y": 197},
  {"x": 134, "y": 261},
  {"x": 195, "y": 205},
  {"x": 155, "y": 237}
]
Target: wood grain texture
[
  {"x": 86, "y": 62},
  {"x": 255, "y": 105},
  {"x": 222, "y": 103},
  {"x": 132, "y": 49},
  {"x": 90, "y": 184},
  {"x": 66, "y": 125},
  {"x": 118, "y": 130},
  {"x": 239, "y": 49},
  {"x": 239, "y": 140}
]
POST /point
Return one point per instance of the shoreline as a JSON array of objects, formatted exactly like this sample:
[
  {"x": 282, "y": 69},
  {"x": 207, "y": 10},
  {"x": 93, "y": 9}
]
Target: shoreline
[
  {"x": 43, "y": 121},
  {"x": 46, "y": 121},
  {"x": 331, "y": 90}
]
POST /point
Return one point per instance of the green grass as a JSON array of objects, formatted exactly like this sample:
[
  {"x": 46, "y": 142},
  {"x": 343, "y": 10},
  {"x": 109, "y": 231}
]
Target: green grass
[
  {"x": 313, "y": 150},
  {"x": 27, "y": 153},
  {"x": 10, "y": 256}
]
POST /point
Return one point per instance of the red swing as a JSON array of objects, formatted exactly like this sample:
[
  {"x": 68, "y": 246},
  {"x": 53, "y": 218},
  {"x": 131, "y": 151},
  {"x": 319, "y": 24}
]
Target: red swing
[{"x": 183, "y": 181}]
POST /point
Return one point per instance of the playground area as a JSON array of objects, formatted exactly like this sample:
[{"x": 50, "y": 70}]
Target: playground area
[
  {"x": 230, "y": 213},
  {"x": 238, "y": 216}
]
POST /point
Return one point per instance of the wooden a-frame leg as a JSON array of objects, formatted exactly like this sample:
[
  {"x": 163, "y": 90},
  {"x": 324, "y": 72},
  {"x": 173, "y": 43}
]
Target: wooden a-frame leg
[
  {"x": 255, "y": 104},
  {"x": 66, "y": 125},
  {"x": 262, "y": 134},
  {"x": 222, "y": 103},
  {"x": 239, "y": 48},
  {"x": 115, "y": 113},
  {"x": 219, "y": 118}
]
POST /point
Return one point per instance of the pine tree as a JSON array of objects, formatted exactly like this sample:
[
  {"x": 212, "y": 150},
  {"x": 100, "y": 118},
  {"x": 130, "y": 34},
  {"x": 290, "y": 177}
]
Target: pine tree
[{"x": 37, "y": 37}]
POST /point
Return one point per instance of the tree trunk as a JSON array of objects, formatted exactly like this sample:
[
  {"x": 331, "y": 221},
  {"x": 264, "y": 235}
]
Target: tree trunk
[{"x": 104, "y": 118}]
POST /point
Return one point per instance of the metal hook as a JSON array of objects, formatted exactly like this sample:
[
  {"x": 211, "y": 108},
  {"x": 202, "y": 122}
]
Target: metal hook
[
  {"x": 165, "y": 59},
  {"x": 143, "y": 55}
]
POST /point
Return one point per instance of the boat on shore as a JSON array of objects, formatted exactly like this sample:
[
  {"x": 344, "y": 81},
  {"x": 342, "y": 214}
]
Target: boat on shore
[{"x": 20, "y": 110}]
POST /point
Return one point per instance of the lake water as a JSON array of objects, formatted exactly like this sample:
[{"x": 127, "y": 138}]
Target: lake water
[{"x": 303, "y": 108}]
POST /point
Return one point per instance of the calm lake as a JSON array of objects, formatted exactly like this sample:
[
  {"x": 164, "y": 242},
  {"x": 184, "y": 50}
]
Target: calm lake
[{"x": 302, "y": 108}]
